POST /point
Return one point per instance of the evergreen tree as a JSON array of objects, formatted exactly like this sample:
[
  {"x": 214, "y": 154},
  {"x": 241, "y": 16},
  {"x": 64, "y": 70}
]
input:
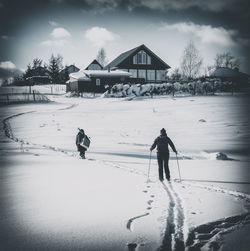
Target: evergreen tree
[{"x": 55, "y": 66}]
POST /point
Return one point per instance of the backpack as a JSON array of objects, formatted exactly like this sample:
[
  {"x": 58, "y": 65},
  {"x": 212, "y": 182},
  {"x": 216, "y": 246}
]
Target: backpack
[{"x": 85, "y": 142}]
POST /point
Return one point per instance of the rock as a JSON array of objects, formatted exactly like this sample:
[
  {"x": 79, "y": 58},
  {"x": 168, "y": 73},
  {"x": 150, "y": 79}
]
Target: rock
[{"x": 222, "y": 156}]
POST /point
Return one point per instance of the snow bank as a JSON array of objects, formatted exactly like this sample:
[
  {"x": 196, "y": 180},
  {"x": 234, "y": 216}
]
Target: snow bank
[{"x": 193, "y": 87}]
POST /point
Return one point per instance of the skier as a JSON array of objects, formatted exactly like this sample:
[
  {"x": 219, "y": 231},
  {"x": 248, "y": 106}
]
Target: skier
[
  {"x": 79, "y": 138},
  {"x": 162, "y": 143}
]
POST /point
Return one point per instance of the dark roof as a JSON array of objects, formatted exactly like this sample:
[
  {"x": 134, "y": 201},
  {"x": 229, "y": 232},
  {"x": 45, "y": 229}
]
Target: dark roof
[
  {"x": 224, "y": 72},
  {"x": 94, "y": 62},
  {"x": 128, "y": 53},
  {"x": 67, "y": 67}
]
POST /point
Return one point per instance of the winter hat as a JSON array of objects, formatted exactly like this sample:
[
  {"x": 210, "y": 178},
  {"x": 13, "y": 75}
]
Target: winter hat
[
  {"x": 163, "y": 131},
  {"x": 81, "y": 131}
]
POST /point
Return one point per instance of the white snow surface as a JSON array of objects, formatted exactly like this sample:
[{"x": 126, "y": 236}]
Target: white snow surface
[{"x": 53, "y": 200}]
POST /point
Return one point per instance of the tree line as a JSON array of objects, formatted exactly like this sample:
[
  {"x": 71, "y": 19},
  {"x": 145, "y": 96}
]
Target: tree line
[
  {"x": 51, "y": 70},
  {"x": 192, "y": 62},
  {"x": 190, "y": 66}
]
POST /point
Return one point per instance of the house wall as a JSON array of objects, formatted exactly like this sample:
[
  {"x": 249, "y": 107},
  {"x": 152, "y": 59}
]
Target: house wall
[
  {"x": 94, "y": 67},
  {"x": 96, "y": 85},
  {"x": 156, "y": 66}
]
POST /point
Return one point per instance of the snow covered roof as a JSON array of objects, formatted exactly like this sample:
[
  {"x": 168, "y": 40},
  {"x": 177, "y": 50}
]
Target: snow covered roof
[
  {"x": 223, "y": 72},
  {"x": 86, "y": 75}
]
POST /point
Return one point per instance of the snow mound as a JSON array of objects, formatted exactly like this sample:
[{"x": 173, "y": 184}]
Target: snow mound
[
  {"x": 202, "y": 120},
  {"x": 210, "y": 236},
  {"x": 201, "y": 87},
  {"x": 222, "y": 156},
  {"x": 215, "y": 156}
]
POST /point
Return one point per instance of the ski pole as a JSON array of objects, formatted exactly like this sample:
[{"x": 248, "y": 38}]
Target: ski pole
[
  {"x": 149, "y": 165},
  {"x": 178, "y": 167}
]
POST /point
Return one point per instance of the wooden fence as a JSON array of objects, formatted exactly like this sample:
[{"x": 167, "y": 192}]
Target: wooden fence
[{"x": 34, "y": 96}]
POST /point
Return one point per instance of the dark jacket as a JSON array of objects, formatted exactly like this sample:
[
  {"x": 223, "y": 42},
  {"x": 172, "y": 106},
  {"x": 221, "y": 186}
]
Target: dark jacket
[
  {"x": 79, "y": 138},
  {"x": 162, "y": 143}
]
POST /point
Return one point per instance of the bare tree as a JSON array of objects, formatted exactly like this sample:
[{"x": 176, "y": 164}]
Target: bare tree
[
  {"x": 101, "y": 57},
  {"x": 208, "y": 69},
  {"x": 176, "y": 75},
  {"x": 191, "y": 61},
  {"x": 226, "y": 59}
]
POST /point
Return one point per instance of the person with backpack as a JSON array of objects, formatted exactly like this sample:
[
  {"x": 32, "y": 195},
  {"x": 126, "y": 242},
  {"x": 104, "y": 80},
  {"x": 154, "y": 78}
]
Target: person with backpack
[
  {"x": 162, "y": 142},
  {"x": 79, "y": 139}
]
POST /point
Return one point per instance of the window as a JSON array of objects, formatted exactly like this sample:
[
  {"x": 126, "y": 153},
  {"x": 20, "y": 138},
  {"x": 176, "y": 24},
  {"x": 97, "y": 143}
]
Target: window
[
  {"x": 135, "y": 59},
  {"x": 160, "y": 75},
  {"x": 98, "y": 81},
  {"x": 144, "y": 57},
  {"x": 133, "y": 73},
  {"x": 149, "y": 60},
  {"x": 141, "y": 58},
  {"x": 151, "y": 75},
  {"x": 142, "y": 74}
]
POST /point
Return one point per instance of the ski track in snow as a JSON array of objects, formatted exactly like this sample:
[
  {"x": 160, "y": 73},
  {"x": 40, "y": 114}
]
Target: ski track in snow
[
  {"x": 68, "y": 107},
  {"x": 208, "y": 235},
  {"x": 134, "y": 218},
  {"x": 174, "y": 234}
]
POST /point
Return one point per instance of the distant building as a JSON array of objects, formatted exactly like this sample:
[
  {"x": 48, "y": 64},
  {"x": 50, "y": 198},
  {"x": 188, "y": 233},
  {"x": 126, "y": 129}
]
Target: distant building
[
  {"x": 143, "y": 64},
  {"x": 233, "y": 75},
  {"x": 64, "y": 74},
  {"x": 94, "y": 65},
  {"x": 95, "y": 80},
  {"x": 70, "y": 69}
]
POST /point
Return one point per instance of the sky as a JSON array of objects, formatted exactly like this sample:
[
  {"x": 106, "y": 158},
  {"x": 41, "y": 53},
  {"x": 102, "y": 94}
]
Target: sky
[{"x": 77, "y": 29}]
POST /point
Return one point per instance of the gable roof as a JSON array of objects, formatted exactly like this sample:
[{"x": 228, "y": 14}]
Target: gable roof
[
  {"x": 67, "y": 67},
  {"x": 94, "y": 62},
  {"x": 128, "y": 53}
]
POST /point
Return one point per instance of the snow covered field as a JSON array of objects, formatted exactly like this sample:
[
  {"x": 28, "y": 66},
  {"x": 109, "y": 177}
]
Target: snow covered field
[{"x": 52, "y": 200}]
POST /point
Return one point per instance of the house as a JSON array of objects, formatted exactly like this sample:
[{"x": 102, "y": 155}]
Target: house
[
  {"x": 95, "y": 80},
  {"x": 143, "y": 64},
  {"x": 94, "y": 65},
  {"x": 233, "y": 75},
  {"x": 64, "y": 74}
]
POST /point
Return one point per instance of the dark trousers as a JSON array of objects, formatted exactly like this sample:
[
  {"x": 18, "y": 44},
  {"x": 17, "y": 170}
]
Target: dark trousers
[
  {"x": 163, "y": 162},
  {"x": 82, "y": 150}
]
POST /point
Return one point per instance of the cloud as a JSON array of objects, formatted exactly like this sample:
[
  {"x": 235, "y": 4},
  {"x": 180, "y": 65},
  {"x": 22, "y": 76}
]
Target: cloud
[
  {"x": 212, "y": 5},
  {"x": 53, "y": 23},
  {"x": 206, "y": 33},
  {"x": 7, "y": 65},
  {"x": 60, "y": 33},
  {"x": 105, "y": 5},
  {"x": 60, "y": 37},
  {"x": 100, "y": 36}
]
